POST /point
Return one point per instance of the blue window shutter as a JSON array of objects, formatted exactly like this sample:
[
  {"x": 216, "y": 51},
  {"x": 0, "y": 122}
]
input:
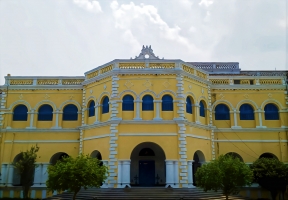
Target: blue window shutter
[
  {"x": 202, "y": 109},
  {"x": 70, "y": 113},
  {"x": 222, "y": 112},
  {"x": 167, "y": 103},
  {"x": 147, "y": 103},
  {"x": 128, "y": 103},
  {"x": 91, "y": 109},
  {"x": 20, "y": 113},
  {"x": 271, "y": 112},
  {"x": 188, "y": 105},
  {"x": 246, "y": 112},
  {"x": 105, "y": 105},
  {"x": 45, "y": 113}
]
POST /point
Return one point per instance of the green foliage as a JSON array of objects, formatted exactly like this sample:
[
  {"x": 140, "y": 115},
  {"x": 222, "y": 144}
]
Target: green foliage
[
  {"x": 270, "y": 174},
  {"x": 25, "y": 166},
  {"x": 225, "y": 173},
  {"x": 73, "y": 173}
]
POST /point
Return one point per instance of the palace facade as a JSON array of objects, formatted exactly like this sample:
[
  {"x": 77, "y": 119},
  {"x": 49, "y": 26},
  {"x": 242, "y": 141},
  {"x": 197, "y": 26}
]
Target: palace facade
[{"x": 152, "y": 121}]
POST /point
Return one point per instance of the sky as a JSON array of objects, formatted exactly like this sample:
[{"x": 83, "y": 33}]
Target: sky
[{"x": 70, "y": 37}]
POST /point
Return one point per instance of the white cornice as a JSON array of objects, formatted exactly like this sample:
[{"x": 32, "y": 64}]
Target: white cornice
[
  {"x": 147, "y": 134},
  {"x": 97, "y": 137},
  {"x": 229, "y": 130},
  {"x": 253, "y": 141},
  {"x": 41, "y": 130},
  {"x": 41, "y": 141},
  {"x": 248, "y": 87},
  {"x": 197, "y": 136}
]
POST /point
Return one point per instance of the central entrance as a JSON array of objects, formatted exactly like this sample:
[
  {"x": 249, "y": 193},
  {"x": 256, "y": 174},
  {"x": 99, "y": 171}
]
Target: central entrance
[{"x": 147, "y": 165}]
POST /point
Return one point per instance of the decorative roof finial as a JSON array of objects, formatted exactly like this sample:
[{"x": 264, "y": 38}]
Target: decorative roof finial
[{"x": 146, "y": 53}]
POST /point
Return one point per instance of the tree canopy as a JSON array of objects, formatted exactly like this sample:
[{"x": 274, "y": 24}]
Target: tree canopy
[
  {"x": 270, "y": 174},
  {"x": 25, "y": 166},
  {"x": 73, "y": 173},
  {"x": 226, "y": 173}
]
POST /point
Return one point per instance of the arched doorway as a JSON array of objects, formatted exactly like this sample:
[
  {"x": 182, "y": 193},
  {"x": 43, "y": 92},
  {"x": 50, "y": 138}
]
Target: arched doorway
[
  {"x": 28, "y": 176},
  {"x": 57, "y": 156},
  {"x": 199, "y": 159},
  {"x": 97, "y": 154},
  {"x": 235, "y": 155},
  {"x": 268, "y": 155},
  {"x": 148, "y": 165}
]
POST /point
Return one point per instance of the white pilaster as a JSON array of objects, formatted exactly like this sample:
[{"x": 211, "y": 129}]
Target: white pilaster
[
  {"x": 126, "y": 173},
  {"x": 260, "y": 125},
  {"x": 157, "y": 109},
  {"x": 169, "y": 173},
  {"x": 235, "y": 119},
  {"x": 137, "y": 109},
  {"x": 105, "y": 184},
  {"x": 190, "y": 174},
  {"x": 3, "y": 174},
  {"x": 119, "y": 178},
  {"x": 32, "y": 112},
  {"x": 9, "y": 176},
  {"x": 176, "y": 174},
  {"x": 44, "y": 174},
  {"x": 57, "y": 112},
  {"x": 38, "y": 175},
  {"x": 197, "y": 107},
  {"x": 96, "y": 113}
]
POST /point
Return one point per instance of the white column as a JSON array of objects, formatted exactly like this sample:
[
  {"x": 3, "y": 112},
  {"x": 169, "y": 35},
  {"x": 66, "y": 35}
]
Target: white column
[
  {"x": 176, "y": 175},
  {"x": 137, "y": 109},
  {"x": 3, "y": 174},
  {"x": 260, "y": 118},
  {"x": 169, "y": 173},
  {"x": 96, "y": 113},
  {"x": 126, "y": 173},
  {"x": 38, "y": 175},
  {"x": 157, "y": 109},
  {"x": 105, "y": 184},
  {"x": 190, "y": 174},
  {"x": 197, "y": 107},
  {"x": 235, "y": 119},
  {"x": 119, "y": 178},
  {"x": 32, "y": 112},
  {"x": 44, "y": 174},
  {"x": 57, "y": 119},
  {"x": 9, "y": 176}
]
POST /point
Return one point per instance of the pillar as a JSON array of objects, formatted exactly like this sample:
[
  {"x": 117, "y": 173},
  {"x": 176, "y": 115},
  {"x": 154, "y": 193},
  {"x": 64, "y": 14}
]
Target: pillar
[
  {"x": 190, "y": 174},
  {"x": 105, "y": 184},
  {"x": 38, "y": 176},
  {"x": 126, "y": 173},
  {"x": 9, "y": 175},
  {"x": 197, "y": 107},
  {"x": 44, "y": 174},
  {"x": 176, "y": 175},
  {"x": 32, "y": 114},
  {"x": 119, "y": 178},
  {"x": 56, "y": 113},
  {"x": 169, "y": 173},
  {"x": 260, "y": 125},
  {"x": 96, "y": 113},
  {"x": 235, "y": 113},
  {"x": 158, "y": 115},
  {"x": 137, "y": 116}
]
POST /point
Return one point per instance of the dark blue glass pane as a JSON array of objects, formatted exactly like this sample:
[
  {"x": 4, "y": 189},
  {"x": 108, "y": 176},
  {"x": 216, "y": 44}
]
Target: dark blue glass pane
[
  {"x": 222, "y": 112},
  {"x": 20, "y": 113},
  {"x": 188, "y": 105},
  {"x": 167, "y": 103},
  {"x": 202, "y": 109},
  {"x": 128, "y": 103},
  {"x": 271, "y": 112},
  {"x": 105, "y": 105},
  {"x": 45, "y": 113},
  {"x": 246, "y": 112},
  {"x": 70, "y": 113},
  {"x": 91, "y": 111},
  {"x": 147, "y": 103}
]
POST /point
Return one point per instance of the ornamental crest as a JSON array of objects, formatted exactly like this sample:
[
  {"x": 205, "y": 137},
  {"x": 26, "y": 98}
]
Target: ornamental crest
[{"x": 146, "y": 53}]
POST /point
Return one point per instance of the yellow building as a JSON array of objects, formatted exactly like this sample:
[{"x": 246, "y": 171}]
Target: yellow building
[{"x": 151, "y": 121}]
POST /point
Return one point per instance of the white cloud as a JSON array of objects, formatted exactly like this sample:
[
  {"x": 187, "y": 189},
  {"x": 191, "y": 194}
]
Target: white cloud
[
  {"x": 90, "y": 5},
  {"x": 206, "y": 3}
]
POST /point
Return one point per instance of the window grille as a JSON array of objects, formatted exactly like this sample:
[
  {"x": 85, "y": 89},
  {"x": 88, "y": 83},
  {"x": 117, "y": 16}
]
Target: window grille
[
  {"x": 20, "y": 113},
  {"x": 128, "y": 103},
  {"x": 105, "y": 105},
  {"x": 188, "y": 105},
  {"x": 271, "y": 112},
  {"x": 167, "y": 103},
  {"x": 45, "y": 113},
  {"x": 246, "y": 112},
  {"x": 147, "y": 103},
  {"x": 222, "y": 112},
  {"x": 70, "y": 113},
  {"x": 91, "y": 109}
]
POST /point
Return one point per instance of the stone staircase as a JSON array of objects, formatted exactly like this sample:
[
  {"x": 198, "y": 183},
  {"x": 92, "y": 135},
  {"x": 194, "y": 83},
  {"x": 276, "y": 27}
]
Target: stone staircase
[{"x": 143, "y": 194}]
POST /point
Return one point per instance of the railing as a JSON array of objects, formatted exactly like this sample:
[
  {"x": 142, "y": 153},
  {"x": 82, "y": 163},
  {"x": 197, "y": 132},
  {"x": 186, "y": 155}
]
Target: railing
[
  {"x": 131, "y": 65},
  {"x": 270, "y": 81},
  {"x": 162, "y": 65},
  {"x": 43, "y": 81},
  {"x": 264, "y": 73},
  {"x": 219, "y": 81},
  {"x": 21, "y": 82},
  {"x": 217, "y": 67}
]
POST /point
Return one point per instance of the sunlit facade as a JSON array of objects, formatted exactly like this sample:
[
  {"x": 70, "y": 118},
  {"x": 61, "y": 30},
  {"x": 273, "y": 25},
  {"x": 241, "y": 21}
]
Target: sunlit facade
[{"x": 152, "y": 121}]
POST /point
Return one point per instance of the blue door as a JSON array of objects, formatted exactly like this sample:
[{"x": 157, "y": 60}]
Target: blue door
[{"x": 146, "y": 172}]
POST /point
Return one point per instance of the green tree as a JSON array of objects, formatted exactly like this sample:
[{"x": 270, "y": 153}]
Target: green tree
[
  {"x": 271, "y": 174},
  {"x": 73, "y": 173},
  {"x": 226, "y": 173},
  {"x": 25, "y": 166}
]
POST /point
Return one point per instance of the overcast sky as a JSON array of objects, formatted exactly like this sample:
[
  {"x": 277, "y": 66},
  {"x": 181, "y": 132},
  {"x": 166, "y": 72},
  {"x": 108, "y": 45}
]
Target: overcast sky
[{"x": 70, "y": 37}]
